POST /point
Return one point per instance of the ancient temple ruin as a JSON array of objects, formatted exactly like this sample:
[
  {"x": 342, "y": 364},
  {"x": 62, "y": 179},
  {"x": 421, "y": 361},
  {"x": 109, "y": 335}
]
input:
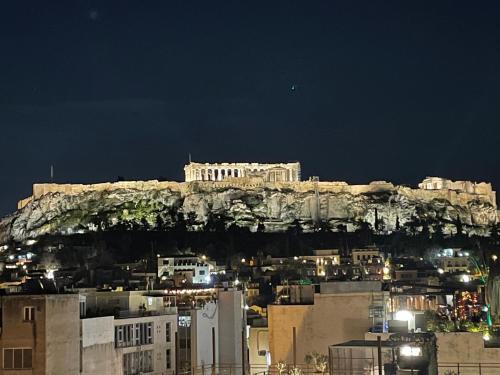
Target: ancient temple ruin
[{"x": 276, "y": 172}]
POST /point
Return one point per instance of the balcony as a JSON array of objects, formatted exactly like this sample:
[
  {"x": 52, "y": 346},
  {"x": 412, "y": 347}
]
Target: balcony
[{"x": 127, "y": 314}]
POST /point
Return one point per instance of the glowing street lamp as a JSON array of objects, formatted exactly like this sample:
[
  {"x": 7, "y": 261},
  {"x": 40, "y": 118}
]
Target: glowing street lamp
[
  {"x": 403, "y": 315},
  {"x": 410, "y": 351}
]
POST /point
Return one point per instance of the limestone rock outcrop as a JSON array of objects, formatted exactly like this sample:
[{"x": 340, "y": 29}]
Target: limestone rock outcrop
[{"x": 67, "y": 209}]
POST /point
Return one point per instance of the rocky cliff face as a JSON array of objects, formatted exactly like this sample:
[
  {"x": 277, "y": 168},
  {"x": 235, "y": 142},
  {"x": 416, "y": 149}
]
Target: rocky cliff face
[{"x": 198, "y": 207}]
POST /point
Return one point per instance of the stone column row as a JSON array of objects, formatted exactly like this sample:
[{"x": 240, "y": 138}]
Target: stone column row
[{"x": 215, "y": 174}]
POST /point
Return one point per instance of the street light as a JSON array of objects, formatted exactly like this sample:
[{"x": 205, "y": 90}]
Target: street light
[
  {"x": 410, "y": 351},
  {"x": 404, "y": 315}
]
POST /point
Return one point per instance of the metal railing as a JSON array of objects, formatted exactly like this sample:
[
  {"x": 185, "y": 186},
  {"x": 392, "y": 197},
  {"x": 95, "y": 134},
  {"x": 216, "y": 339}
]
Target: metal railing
[
  {"x": 125, "y": 314},
  {"x": 464, "y": 368},
  {"x": 232, "y": 369}
]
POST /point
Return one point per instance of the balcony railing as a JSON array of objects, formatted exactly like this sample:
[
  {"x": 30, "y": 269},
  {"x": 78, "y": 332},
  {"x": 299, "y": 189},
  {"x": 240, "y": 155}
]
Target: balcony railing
[{"x": 126, "y": 314}]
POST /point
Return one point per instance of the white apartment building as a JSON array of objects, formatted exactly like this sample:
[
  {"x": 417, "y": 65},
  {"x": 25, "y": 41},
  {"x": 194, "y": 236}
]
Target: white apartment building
[
  {"x": 195, "y": 269},
  {"x": 213, "y": 333},
  {"x": 138, "y": 338},
  {"x": 365, "y": 255}
]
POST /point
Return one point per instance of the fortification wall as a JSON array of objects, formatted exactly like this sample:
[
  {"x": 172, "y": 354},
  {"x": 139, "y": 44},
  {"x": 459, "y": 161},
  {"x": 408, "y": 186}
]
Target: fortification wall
[
  {"x": 483, "y": 191},
  {"x": 73, "y": 189}
]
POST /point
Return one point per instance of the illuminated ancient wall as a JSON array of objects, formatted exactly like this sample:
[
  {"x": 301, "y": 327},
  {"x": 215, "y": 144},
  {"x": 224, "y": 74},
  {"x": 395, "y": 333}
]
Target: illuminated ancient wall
[{"x": 481, "y": 191}]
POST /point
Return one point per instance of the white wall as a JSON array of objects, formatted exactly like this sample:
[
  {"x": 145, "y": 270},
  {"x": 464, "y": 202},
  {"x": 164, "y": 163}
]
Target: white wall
[
  {"x": 98, "y": 346},
  {"x": 231, "y": 327},
  {"x": 258, "y": 341},
  {"x": 202, "y": 322}
]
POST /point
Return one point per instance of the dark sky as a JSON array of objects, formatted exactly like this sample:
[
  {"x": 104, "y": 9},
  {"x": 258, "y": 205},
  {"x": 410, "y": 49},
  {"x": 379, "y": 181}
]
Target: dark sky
[{"x": 393, "y": 90}]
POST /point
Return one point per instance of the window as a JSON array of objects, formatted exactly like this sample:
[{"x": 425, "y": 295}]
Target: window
[
  {"x": 124, "y": 336},
  {"x": 29, "y": 313},
  {"x": 201, "y": 272},
  {"x": 184, "y": 321},
  {"x": 82, "y": 309},
  {"x": 130, "y": 334},
  {"x": 138, "y": 362},
  {"x": 168, "y": 332},
  {"x": 168, "y": 360},
  {"x": 17, "y": 358}
]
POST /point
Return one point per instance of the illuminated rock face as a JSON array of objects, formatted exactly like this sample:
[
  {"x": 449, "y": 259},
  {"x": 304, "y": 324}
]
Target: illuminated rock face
[{"x": 247, "y": 202}]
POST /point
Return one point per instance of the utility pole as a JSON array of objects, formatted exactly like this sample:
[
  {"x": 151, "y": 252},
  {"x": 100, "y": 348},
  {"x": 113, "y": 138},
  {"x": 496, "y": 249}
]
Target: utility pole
[{"x": 379, "y": 355}]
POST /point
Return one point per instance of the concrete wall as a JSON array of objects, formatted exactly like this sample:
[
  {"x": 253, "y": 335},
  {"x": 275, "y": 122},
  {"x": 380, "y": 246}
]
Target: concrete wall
[
  {"x": 62, "y": 322},
  {"x": 98, "y": 346},
  {"x": 202, "y": 322},
  {"x": 54, "y": 334},
  {"x": 466, "y": 348},
  {"x": 334, "y": 287},
  {"x": 231, "y": 327},
  {"x": 258, "y": 341},
  {"x": 333, "y": 319}
]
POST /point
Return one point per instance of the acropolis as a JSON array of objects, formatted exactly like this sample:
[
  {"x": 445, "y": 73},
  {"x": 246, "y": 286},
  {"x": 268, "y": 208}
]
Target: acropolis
[
  {"x": 276, "y": 172},
  {"x": 251, "y": 193}
]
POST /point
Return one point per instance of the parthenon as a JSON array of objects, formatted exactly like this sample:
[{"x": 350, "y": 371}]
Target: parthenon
[{"x": 278, "y": 172}]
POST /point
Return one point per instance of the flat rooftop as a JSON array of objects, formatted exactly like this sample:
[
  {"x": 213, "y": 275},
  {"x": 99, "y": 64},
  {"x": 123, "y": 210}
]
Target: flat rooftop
[{"x": 369, "y": 344}]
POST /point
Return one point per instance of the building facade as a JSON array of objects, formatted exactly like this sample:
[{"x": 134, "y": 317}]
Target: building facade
[
  {"x": 365, "y": 255},
  {"x": 276, "y": 172},
  {"x": 342, "y": 311},
  {"x": 194, "y": 269},
  {"x": 40, "y": 334}
]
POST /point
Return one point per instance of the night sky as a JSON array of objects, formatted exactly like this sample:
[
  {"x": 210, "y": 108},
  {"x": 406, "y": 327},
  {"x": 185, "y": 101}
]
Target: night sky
[{"x": 355, "y": 90}]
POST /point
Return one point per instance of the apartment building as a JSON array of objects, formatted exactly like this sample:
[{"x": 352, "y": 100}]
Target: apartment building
[
  {"x": 40, "y": 334},
  {"x": 120, "y": 333},
  {"x": 341, "y": 311}
]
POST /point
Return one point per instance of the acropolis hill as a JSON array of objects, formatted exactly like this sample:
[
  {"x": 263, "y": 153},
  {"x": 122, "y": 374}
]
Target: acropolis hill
[{"x": 267, "y": 197}]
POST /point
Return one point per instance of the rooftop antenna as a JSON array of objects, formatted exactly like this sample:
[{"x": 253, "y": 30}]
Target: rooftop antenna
[
  {"x": 51, "y": 173},
  {"x": 189, "y": 158}
]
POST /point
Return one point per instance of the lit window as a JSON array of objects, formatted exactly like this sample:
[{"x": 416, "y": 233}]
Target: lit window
[{"x": 29, "y": 313}]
